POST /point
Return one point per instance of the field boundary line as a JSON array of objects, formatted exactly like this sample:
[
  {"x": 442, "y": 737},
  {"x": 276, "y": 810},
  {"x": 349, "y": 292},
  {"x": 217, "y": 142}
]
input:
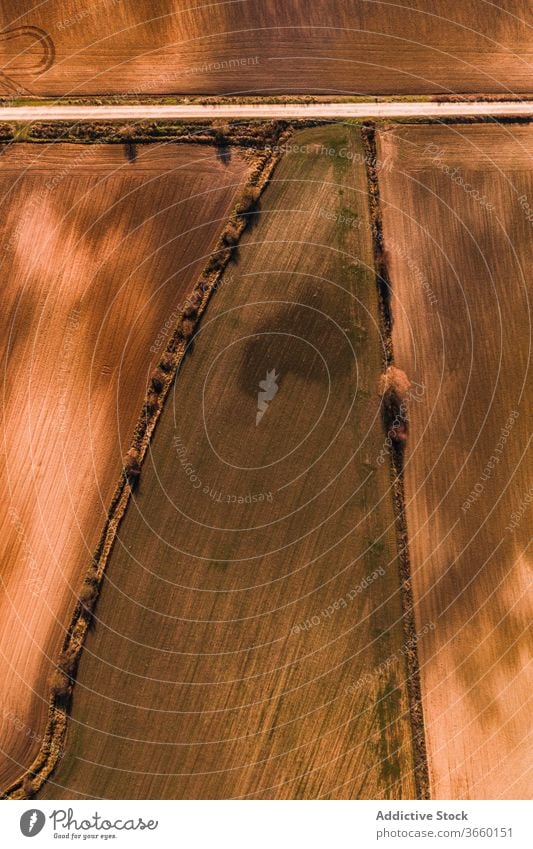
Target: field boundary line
[{"x": 383, "y": 283}]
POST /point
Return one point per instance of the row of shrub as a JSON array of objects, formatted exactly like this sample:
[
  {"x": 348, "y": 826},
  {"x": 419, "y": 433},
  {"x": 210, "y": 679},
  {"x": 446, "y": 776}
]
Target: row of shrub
[{"x": 254, "y": 135}]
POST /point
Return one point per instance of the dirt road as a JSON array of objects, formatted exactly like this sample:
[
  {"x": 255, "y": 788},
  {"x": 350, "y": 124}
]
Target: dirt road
[{"x": 247, "y": 111}]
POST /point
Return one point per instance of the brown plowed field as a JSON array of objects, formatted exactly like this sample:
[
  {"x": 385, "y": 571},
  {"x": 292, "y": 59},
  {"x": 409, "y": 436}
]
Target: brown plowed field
[
  {"x": 249, "y": 639},
  {"x": 264, "y": 47},
  {"x": 458, "y": 232},
  {"x": 98, "y": 246}
]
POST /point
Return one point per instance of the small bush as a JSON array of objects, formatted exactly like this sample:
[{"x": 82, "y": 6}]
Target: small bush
[
  {"x": 221, "y": 134},
  {"x": 248, "y": 199},
  {"x": 196, "y": 297},
  {"x": 395, "y": 381},
  {"x": 88, "y": 594},
  {"x": 216, "y": 262},
  {"x": 68, "y": 661},
  {"x": 132, "y": 458},
  {"x": 167, "y": 362},
  {"x": 398, "y": 432},
  {"x": 394, "y": 390},
  {"x": 127, "y": 131},
  {"x": 60, "y": 686},
  {"x": 92, "y": 577},
  {"x": 28, "y": 787}
]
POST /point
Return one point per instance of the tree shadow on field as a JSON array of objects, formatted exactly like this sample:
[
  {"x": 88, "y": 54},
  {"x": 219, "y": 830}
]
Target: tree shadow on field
[
  {"x": 223, "y": 153},
  {"x": 295, "y": 340}
]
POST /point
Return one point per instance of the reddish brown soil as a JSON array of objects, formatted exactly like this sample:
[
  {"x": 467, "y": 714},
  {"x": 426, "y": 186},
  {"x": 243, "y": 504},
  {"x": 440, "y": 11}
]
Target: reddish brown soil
[
  {"x": 459, "y": 248},
  {"x": 237, "y": 650}
]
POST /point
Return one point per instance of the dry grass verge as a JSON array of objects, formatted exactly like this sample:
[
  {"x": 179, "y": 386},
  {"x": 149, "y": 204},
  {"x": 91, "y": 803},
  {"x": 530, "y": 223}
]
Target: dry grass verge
[{"x": 454, "y": 205}]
